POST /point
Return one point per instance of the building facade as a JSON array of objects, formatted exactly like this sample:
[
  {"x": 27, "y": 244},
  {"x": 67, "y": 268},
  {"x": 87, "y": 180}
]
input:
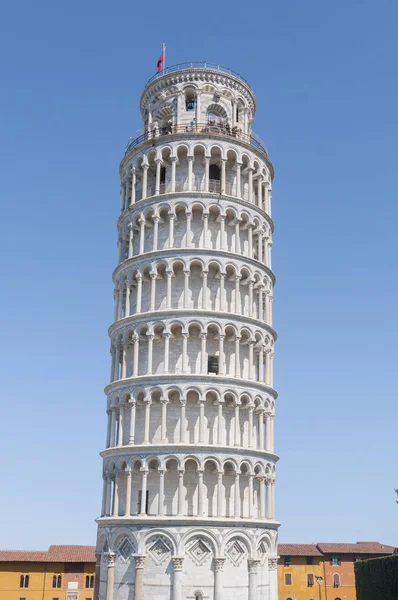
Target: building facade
[
  {"x": 60, "y": 573},
  {"x": 323, "y": 571},
  {"x": 188, "y": 505}
]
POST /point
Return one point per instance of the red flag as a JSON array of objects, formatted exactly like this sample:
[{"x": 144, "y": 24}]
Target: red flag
[{"x": 160, "y": 62}]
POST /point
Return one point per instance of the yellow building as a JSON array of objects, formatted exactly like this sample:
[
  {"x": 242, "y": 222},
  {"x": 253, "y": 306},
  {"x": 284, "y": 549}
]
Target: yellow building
[
  {"x": 299, "y": 566},
  {"x": 60, "y": 573},
  {"x": 322, "y": 571}
]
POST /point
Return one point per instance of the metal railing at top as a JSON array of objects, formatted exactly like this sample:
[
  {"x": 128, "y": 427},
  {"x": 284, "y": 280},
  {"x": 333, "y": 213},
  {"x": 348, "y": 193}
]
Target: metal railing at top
[
  {"x": 196, "y": 65},
  {"x": 205, "y": 129}
]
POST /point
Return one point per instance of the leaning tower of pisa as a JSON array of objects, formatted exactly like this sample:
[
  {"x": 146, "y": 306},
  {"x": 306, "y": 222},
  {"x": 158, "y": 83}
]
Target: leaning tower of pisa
[{"x": 188, "y": 508}]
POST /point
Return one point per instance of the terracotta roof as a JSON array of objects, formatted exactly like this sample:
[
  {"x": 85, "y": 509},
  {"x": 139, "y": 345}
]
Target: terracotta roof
[
  {"x": 22, "y": 556},
  {"x": 298, "y": 550},
  {"x": 84, "y": 554},
  {"x": 358, "y": 548},
  {"x": 71, "y": 554}
]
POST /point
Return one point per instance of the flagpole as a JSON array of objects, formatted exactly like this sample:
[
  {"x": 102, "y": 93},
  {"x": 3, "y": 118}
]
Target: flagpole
[{"x": 164, "y": 57}]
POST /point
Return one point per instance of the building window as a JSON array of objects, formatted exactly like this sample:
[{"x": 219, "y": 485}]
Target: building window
[
  {"x": 310, "y": 579},
  {"x": 22, "y": 598},
  {"x": 287, "y": 560},
  {"x": 212, "y": 364},
  {"x": 89, "y": 581},
  {"x": 310, "y": 560},
  {"x": 162, "y": 174},
  {"x": 288, "y": 579},
  {"x": 336, "y": 580},
  {"x": 57, "y": 580},
  {"x": 198, "y": 596},
  {"x": 215, "y": 173},
  {"x": 24, "y": 581},
  {"x": 55, "y": 599},
  {"x": 335, "y": 561}
]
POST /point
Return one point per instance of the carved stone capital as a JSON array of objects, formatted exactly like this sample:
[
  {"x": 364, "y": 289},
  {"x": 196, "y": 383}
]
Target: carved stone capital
[
  {"x": 111, "y": 559},
  {"x": 139, "y": 561},
  {"x": 178, "y": 563},
  {"x": 219, "y": 564},
  {"x": 272, "y": 564},
  {"x": 253, "y": 565}
]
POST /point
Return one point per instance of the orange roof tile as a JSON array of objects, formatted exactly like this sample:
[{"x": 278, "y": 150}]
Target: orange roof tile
[
  {"x": 85, "y": 554},
  {"x": 358, "y": 548},
  {"x": 298, "y": 550}
]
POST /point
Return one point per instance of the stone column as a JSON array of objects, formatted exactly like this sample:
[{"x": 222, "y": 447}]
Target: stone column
[
  {"x": 108, "y": 496},
  {"x": 204, "y": 290},
  {"x": 190, "y": 172},
  {"x": 207, "y": 168},
  {"x": 201, "y": 420},
  {"x": 182, "y": 420},
  {"x": 104, "y": 490},
  {"x": 197, "y": 112},
  {"x": 173, "y": 173},
  {"x": 260, "y": 192},
  {"x": 150, "y": 337},
  {"x": 266, "y": 366},
  {"x": 131, "y": 239},
  {"x": 115, "y": 511},
  {"x": 180, "y": 509},
  {"x": 161, "y": 492},
  {"x": 253, "y": 569},
  {"x": 251, "y": 362},
  {"x": 98, "y": 557},
  {"x": 237, "y": 428},
  {"x": 164, "y": 402},
  {"x": 153, "y": 277},
  {"x": 221, "y": 366},
  {"x": 238, "y": 182},
  {"x": 143, "y": 492},
  {"x": 141, "y": 221},
  {"x": 139, "y": 577},
  {"x": 108, "y": 428},
  {"x": 203, "y": 355},
  {"x": 262, "y": 499},
  {"x": 188, "y": 235},
  {"x": 260, "y": 247},
  {"x": 250, "y": 436},
  {"x": 250, "y": 236},
  {"x": 200, "y": 492},
  {"x": 144, "y": 181},
  {"x": 139, "y": 292},
  {"x": 237, "y": 294},
  {"x": 177, "y": 577},
  {"x": 237, "y": 495},
  {"x": 222, "y": 291},
  {"x": 260, "y": 430},
  {"x": 250, "y": 185},
  {"x": 260, "y": 303},
  {"x": 237, "y": 236},
  {"x": 110, "y": 576},
  {"x": 187, "y": 274},
  {"x": 222, "y": 232},
  {"x": 273, "y": 578},
  {"x": 113, "y": 427},
  {"x": 158, "y": 167},
  {"x": 273, "y": 499},
  {"x": 272, "y": 428},
  {"x": 237, "y": 356},
  {"x": 184, "y": 352},
  {"x": 124, "y": 360},
  {"x": 132, "y": 422},
  {"x": 267, "y": 432},
  {"x": 120, "y": 429},
  {"x": 220, "y": 425},
  {"x": 169, "y": 276},
  {"x": 156, "y": 220},
  {"x": 128, "y": 291},
  {"x": 171, "y": 229},
  {"x": 268, "y": 500},
  {"x": 260, "y": 364},
  {"x": 122, "y": 194},
  {"x": 218, "y": 578},
  {"x": 205, "y": 228},
  {"x": 251, "y": 285},
  {"x": 136, "y": 342},
  {"x": 120, "y": 302},
  {"x": 251, "y": 503},
  {"x": 127, "y": 511},
  {"x": 166, "y": 351},
  {"x": 133, "y": 183},
  {"x": 116, "y": 303},
  {"x": 223, "y": 177},
  {"x": 147, "y": 419},
  {"x": 219, "y": 493}
]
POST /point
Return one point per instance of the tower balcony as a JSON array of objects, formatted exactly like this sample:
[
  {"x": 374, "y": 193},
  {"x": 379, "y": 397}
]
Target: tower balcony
[{"x": 211, "y": 128}]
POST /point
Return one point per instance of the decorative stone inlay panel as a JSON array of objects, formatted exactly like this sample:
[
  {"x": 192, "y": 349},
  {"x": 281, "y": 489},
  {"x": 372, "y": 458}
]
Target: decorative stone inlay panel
[
  {"x": 236, "y": 552},
  {"x": 199, "y": 551}
]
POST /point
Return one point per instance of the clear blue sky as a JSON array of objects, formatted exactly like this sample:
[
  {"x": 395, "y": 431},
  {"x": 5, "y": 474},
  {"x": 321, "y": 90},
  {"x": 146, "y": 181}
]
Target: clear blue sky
[{"x": 325, "y": 78}]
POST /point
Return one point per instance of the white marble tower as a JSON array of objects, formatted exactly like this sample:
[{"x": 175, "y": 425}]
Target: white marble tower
[{"x": 188, "y": 507}]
